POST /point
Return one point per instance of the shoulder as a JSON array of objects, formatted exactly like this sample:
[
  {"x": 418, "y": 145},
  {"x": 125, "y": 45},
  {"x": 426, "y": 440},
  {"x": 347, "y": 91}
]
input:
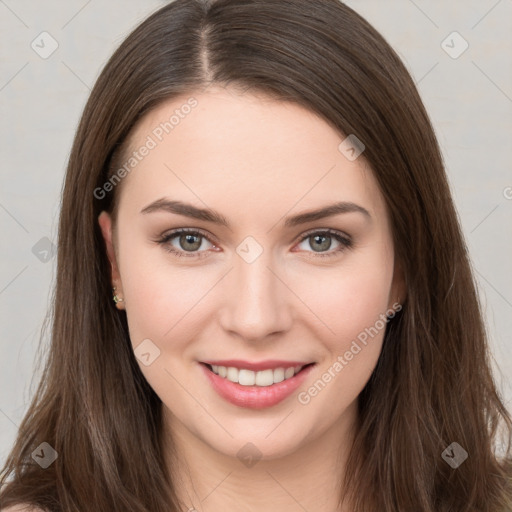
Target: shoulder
[{"x": 21, "y": 508}]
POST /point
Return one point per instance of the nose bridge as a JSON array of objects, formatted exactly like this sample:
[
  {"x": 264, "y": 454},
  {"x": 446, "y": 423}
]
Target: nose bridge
[{"x": 256, "y": 303}]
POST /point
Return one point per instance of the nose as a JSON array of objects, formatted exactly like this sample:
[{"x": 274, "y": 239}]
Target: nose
[{"x": 257, "y": 300}]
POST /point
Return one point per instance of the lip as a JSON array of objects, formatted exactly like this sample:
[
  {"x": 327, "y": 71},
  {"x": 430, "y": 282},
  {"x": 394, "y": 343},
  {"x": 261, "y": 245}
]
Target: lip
[
  {"x": 269, "y": 364},
  {"x": 255, "y": 397}
]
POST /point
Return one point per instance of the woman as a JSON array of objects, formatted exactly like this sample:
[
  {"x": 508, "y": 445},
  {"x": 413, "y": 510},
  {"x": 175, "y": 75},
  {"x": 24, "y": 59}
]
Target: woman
[{"x": 320, "y": 345}]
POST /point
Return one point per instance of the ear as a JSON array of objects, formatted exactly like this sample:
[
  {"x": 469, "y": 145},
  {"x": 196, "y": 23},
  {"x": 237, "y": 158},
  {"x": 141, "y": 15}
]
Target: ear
[{"x": 105, "y": 222}]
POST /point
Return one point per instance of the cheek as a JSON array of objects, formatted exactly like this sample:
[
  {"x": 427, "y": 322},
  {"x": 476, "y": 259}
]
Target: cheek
[
  {"x": 348, "y": 308},
  {"x": 165, "y": 302}
]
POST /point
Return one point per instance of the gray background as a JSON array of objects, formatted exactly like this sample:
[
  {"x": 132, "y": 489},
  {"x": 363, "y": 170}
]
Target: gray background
[{"x": 469, "y": 99}]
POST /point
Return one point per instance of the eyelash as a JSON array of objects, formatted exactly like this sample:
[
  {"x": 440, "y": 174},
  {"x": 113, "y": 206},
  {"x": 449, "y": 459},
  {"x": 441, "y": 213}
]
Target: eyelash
[{"x": 346, "y": 242}]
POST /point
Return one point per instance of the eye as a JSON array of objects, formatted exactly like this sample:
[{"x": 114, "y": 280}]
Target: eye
[
  {"x": 321, "y": 240},
  {"x": 191, "y": 240}
]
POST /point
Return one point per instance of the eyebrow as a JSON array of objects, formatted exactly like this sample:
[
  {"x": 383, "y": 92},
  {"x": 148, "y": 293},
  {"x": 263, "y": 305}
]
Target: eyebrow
[{"x": 209, "y": 215}]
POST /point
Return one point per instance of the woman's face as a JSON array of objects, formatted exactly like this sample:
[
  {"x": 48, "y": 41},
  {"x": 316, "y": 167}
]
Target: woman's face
[{"x": 266, "y": 285}]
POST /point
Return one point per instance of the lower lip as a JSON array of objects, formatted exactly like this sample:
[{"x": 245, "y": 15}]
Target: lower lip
[{"x": 255, "y": 397}]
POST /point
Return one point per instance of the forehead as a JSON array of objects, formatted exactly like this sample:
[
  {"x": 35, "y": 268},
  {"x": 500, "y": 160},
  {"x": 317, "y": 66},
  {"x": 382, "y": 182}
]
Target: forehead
[{"x": 243, "y": 150}]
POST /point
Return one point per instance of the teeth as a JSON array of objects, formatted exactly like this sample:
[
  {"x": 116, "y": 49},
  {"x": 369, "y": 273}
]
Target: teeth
[
  {"x": 233, "y": 374},
  {"x": 261, "y": 378},
  {"x": 246, "y": 377},
  {"x": 278, "y": 375}
]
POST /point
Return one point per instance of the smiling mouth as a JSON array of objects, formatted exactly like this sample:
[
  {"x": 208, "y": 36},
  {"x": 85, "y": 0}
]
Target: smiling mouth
[{"x": 262, "y": 378}]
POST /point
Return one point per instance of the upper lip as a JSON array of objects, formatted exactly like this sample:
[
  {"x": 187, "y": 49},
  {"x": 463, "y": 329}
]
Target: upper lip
[{"x": 269, "y": 364}]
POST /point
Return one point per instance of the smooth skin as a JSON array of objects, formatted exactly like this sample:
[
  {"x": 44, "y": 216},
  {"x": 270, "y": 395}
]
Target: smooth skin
[{"x": 256, "y": 161}]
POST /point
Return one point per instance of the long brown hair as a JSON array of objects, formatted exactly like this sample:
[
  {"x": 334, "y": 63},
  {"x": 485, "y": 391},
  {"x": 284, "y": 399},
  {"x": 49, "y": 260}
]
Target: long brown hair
[{"x": 433, "y": 383}]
